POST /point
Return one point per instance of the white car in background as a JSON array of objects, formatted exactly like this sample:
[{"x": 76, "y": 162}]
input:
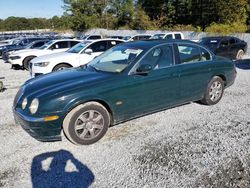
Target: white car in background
[
  {"x": 22, "y": 58},
  {"x": 137, "y": 37},
  {"x": 80, "y": 54},
  {"x": 170, "y": 35}
]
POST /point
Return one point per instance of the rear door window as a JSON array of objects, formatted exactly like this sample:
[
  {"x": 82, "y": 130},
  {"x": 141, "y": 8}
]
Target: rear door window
[
  {"x": 60, "y": 45},
  {"x": 191, "y": 54}
]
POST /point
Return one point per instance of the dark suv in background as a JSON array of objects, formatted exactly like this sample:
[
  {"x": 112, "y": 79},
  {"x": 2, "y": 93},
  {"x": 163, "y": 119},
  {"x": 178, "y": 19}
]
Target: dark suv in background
[{"x": 225, "y": 46}]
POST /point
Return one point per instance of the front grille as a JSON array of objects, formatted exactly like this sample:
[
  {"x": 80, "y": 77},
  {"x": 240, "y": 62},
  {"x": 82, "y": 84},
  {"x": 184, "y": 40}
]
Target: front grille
[{"x": 17, "y": 97}]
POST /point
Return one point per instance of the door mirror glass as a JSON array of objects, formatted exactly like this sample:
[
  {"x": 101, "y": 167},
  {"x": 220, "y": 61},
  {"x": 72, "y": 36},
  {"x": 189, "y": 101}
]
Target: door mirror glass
[
  {"x": 144, "y": 69},
  {"x": 88, "y": 51}
]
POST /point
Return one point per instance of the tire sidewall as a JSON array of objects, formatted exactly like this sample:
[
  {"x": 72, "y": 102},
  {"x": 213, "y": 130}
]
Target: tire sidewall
[
  {"x": 238, "y": 53},
  {"x": 60, "y": 65},
  {"x": 71, "y": 130},
  {"x": 208, "y": 101}
]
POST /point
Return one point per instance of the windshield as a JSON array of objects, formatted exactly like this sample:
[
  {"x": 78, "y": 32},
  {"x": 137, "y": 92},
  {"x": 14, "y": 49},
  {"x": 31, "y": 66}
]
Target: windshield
[
  {"x": 46, "y": 45},
  {"x": 127, "y": 38},
  {"x": 85, "y": 37},
  {"x": 77, "y": 48},
  {"x": 16, "y": 41},
  {"x": 115, "y": 59},
  {"x": 29, "y": 45},
  {"x": 158, "y": 36}
]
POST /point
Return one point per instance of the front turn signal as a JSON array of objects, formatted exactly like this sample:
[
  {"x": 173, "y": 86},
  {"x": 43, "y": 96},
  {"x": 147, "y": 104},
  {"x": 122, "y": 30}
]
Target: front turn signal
[{"x": 50, "y": 118}]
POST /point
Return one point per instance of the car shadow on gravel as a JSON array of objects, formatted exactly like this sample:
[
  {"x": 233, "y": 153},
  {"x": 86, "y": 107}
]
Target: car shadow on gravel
[
  {"x": 243, "y": 64},
  {"x": 60, "y": 169}
]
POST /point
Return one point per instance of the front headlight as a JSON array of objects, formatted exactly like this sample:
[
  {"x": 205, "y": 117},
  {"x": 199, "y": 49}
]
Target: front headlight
[
  {"x": 24, "y": 103},
  {"x": 41, "y": 64},
  {"x": 34, "y": 106}
]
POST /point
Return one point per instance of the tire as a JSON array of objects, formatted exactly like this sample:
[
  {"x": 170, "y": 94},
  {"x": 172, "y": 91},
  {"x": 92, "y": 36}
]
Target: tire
[
  {"x": 26, "y": 62},
  {"x": 240, "y": 54},
  {"x": 214, "y": 91},
  {"x": 86, "y": 124},
  {"x": 61, "y": 67}
]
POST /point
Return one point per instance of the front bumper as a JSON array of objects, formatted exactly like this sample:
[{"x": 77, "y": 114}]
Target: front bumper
[
  {"x": 37, "y": 71},
  {"x": 38, "y": 128},
  {"x": 16, "y": 61}
]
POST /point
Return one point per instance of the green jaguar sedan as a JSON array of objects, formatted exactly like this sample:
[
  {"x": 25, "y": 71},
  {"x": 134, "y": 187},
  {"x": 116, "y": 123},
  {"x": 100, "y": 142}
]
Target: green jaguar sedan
[{"x": 129, "y": 80}]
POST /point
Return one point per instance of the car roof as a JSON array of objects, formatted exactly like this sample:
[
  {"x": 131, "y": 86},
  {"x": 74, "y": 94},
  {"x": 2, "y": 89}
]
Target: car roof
[
  {"x": 147, "y": 44},
  {"x": 61, "y": 40},
  {"x": 106, "y": 39}
]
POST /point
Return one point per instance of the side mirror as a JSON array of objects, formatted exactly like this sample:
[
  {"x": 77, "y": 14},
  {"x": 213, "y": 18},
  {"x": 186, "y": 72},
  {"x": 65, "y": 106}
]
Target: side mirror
[
  {"x": 88, "y": 51},
  {"x": 144, "y": 69}
]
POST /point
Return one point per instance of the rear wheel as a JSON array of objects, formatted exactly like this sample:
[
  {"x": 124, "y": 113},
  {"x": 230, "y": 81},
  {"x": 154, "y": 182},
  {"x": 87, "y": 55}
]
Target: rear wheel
[
  {"x": 240, "y": 54},
  {"x": 214, "y": 91},
  {"x": 87, "y": 123},
  {"x": 26, "y": 62},
  {"x": 61, "y": 67}
]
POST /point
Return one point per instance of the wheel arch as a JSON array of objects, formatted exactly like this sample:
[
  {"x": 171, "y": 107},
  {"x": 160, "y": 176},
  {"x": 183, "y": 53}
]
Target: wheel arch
[
  {"x": 62, "y": 63},
  {"x": 102, "y": 102},
  {"x": 33, "y": 56},
  {"x": 222, "y": 76}
]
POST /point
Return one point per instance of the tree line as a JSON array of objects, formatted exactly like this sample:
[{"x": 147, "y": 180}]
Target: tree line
[{"x": 197, "y": 15}]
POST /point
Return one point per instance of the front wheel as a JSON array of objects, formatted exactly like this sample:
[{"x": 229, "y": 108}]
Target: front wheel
[
  {"x": 214, "y": 92},
  {"x": 87, "y": 123},
  {"x": 61, "y": 67}
]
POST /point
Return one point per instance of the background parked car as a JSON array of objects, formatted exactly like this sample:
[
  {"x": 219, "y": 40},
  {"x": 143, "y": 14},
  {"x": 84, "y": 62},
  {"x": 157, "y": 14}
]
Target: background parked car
[
  {"x": 115, "y": 37},
  {"x": 137, "y": 37},
  {"x": 18, "y": 44},
  {"x": 91, "y": 37},
  {"x": 79, "y": 54},
  {"x": 32, "y": 45},
  {"x": 22, "y": 57},
  {"x": 170, "y": 35},
  {"x": 226, "y": 46}
]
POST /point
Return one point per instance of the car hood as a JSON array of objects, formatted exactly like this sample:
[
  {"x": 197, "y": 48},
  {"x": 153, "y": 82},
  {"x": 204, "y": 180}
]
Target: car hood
[
  {"x": 59, "y": 55},
  {"x": 63, "y": 81},
  {"x": 26, "y": 51}
]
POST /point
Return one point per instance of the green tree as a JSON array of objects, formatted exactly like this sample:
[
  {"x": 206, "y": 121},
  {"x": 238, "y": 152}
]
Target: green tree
[
  {"x": 232, "y": 11},
  {"x": 141, "y": 21}
]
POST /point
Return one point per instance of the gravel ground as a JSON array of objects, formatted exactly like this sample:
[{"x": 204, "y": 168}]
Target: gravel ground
[{"x": 188, "y": 146}]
